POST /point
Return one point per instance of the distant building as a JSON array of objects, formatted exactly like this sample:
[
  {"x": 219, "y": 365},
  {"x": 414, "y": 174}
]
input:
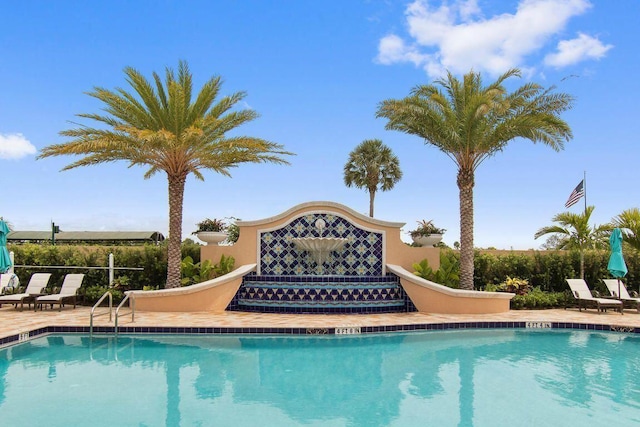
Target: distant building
[{"x": 91, "y": 237}]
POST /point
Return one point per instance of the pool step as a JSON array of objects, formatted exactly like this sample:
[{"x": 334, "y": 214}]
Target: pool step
[{"x": 321, "y": 294}]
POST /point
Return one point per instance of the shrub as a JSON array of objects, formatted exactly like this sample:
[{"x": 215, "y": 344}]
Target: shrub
[
  {"x": 447, "y": 274},
  {"x": 91, "y": 294},
  {"x": 151, "y": 258},
  {"x": 226, "y": 265},
  {"x": 538, "y": 299},
  {"x": 426, "y": 228},
  {"x": 208, "y": 224},
  {"x": 233, "y": 230},
  {"x": 515, "y": 285},
  {"x": 195, "y": 272},
  {"x": 202, "y": 271}
]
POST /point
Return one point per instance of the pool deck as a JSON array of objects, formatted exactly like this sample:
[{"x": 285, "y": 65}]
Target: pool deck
[{"x": 14, "y": 322}]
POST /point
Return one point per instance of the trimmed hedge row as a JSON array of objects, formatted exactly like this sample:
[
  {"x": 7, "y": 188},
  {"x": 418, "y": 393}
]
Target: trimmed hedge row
[
  {"x": 152, "y": 258},
  {"x": 549, "y": 269}
]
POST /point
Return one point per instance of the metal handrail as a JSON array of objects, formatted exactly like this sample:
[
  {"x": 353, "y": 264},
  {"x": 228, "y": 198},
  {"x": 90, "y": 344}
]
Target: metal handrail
[
  {"x": 132, "y": 306},
  {"x": 96, "y": 305}
]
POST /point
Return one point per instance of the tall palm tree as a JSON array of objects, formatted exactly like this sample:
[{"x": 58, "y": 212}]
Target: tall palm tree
[
  {"x": 575, "y": 233},
  {"x": 162, "y": 126},
  {"x": 629, "y": 222},
  {"x": 470, "y": 122},
  {"x": 372, "y": 165}
]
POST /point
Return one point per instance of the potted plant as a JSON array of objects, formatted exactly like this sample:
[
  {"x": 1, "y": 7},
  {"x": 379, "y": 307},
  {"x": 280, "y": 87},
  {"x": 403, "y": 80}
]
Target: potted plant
[
  {"x": 427, "y": 234},
  {"x": 211, "y": 231}
]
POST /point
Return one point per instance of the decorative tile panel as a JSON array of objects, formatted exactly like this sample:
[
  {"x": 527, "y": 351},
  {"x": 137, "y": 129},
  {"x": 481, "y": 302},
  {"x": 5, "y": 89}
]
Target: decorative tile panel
[
  {"x": 321, "y": 294},
  {"x": 362, "y": 255}
]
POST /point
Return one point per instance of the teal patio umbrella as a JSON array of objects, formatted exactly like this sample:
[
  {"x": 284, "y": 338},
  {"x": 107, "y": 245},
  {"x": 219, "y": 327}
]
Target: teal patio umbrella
[
  {"x": 5, "y": 259},
  {"x": 616, "y": 266}
]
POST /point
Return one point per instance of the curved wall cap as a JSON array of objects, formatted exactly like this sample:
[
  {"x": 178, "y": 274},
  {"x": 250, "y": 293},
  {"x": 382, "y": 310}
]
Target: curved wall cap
[
  {"x": 322, "y": 206},
  {"x": 405, "y": 274},
  {"x": 238, "y": 273}
]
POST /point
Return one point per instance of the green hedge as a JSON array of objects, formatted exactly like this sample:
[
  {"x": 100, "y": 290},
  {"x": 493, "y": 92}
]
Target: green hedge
[
  {"x": 537, "y": 299},
  {"x": 152, "y": 258},
  {"x": 548, "y": 270}
]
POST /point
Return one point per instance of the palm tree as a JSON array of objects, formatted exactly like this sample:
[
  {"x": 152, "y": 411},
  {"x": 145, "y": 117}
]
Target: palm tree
[
  {"x": 372, "y": 165},
  {"x": 470, "y": 122},
  {"x": 574, "y": 232},
  {"x": 163, "y": 127},
  {"x": 629, "y": 222}
]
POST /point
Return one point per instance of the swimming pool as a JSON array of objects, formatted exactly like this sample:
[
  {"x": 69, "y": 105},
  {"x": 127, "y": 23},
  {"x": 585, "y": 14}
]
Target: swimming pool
[{"x": 500, "y": 377}]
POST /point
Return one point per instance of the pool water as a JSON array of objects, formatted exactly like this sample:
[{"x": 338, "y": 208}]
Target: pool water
[{"x": 504, "y": 377}]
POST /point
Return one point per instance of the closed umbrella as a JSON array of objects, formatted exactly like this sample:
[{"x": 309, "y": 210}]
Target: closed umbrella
[
  {"x": 5, "y": 259},
  {"x": 616, "y": 266}
]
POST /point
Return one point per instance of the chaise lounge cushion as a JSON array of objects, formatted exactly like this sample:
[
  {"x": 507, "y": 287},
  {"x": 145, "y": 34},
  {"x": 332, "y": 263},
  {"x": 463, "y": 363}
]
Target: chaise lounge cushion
[
  {"x": 36, "y": 286},
  {"x": 583, "y": 294},
  {"x": 68, "y": 291}
]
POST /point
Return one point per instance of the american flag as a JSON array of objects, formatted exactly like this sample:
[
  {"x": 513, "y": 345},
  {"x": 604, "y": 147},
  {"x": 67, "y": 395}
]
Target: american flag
[{"x": 575, "y": 195}]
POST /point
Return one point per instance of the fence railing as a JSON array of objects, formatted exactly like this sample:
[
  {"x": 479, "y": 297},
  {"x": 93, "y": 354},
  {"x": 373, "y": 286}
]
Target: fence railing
[{"x": 111, "y": 268}]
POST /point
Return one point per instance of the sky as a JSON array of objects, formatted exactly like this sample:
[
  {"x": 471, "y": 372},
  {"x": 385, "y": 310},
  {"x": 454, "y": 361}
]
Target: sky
[{"x": 316, "y": 73}]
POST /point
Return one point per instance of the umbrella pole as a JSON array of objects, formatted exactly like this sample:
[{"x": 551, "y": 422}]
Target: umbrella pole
[{"x": 619, "y": 288}]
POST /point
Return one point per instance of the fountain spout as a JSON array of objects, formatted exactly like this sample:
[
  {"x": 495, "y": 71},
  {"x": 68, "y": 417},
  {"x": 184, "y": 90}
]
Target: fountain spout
[{"x": 319, "y": 247}]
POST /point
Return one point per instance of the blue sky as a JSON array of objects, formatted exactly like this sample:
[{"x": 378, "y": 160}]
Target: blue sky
[{"x": 316, "y": 71}]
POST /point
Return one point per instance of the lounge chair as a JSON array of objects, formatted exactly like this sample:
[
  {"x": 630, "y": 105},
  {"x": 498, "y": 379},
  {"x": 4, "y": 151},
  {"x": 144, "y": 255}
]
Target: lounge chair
[
  {"x": 36, "y": 286},
  {"x": 68, "y": 292},
  {"x": 8, "y": 281},
  {"x": 612, "y": 285},
  {"x": 582, "y": 293}
]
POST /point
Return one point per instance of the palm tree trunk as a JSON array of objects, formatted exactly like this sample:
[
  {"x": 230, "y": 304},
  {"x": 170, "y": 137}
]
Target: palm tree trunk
[
  {"x": 466, "y": 182},
  {"x": 372, "y": 195},
  {"x": 174, "y": 254}
]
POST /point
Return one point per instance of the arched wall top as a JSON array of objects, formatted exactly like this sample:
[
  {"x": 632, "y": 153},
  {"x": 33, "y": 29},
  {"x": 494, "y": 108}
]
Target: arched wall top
[{"x": 322, "y": 206}]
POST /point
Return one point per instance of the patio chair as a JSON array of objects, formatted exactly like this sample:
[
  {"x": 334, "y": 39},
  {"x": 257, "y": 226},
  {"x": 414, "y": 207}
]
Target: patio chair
[
  {"x": 612, "y": 285},
  {"x": 68, "y": 292},
  {"x": 582, "y": 293},
  {"x": 37, "y": 283}
]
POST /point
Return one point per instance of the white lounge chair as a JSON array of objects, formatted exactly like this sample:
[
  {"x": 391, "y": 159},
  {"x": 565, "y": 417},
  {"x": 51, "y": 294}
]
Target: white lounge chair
[
  {"x": 582, "y": 293},
  {"x": 36, "y": 286},
  {"x": 68, "y": 292},
  {"x": 612, "y": 285}
]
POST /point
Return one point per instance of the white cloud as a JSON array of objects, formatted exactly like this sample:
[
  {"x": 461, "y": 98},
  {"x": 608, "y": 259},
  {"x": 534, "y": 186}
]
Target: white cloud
[
  {"x": 469, "y": 8},
  {"x": 393, "y": 49},
  {"x": 456, "y": 36},
  {"x": 15, "y": 146},
  {"x": 579, "y": 49}
]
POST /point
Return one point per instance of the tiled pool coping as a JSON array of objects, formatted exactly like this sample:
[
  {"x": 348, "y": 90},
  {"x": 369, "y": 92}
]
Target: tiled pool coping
[{"x": 628, "y": 327}]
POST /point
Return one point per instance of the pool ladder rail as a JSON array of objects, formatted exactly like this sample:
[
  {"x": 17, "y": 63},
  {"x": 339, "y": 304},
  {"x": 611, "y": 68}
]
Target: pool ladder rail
[{"x": 110, "y": 311}]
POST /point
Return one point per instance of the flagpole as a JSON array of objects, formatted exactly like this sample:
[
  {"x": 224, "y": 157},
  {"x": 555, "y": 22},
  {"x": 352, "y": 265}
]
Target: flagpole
[{"x": 584, "y": 187}]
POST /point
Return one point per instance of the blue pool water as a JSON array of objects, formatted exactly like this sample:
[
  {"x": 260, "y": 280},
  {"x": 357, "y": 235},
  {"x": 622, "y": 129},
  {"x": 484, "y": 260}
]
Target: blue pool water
[{"x": 506, "y": 377}]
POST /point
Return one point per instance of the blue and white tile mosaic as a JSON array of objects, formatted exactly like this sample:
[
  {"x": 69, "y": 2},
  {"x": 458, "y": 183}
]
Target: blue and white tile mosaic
[
  {"x": 362, "y": 255},
  {"x": 321, "y": 294},
  {"x": 324, "y": 291}
]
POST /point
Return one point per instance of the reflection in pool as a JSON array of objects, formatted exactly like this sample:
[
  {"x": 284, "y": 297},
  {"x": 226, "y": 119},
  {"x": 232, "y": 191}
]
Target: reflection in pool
[{"x": 464, "y": 378}]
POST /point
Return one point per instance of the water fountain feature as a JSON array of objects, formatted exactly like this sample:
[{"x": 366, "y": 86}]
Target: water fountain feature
[
  {"x": 321, "y": 257},
  {"x": 321, "y": 262},
  {"x": 320, "y": 248}
]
